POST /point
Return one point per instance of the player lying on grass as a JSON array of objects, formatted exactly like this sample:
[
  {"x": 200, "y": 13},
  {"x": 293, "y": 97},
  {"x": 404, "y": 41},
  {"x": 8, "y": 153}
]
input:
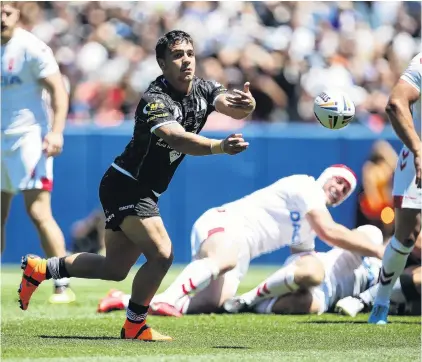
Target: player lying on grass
[
  {"x": 290, "y": 212},
  {"x": 345, "y": 274},
  {"x": 406, "y": 290}
]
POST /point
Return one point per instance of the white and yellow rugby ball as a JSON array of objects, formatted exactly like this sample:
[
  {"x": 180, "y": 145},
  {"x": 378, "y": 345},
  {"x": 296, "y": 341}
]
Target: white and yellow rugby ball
[{"x": 334, "y": 110}]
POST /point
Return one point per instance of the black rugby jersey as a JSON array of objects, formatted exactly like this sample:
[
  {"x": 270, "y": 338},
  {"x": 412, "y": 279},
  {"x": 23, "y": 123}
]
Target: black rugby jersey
[{"x": 150, "y": 159}]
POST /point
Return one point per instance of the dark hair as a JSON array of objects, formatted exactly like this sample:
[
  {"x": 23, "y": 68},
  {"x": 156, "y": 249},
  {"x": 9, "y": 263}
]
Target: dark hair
[{"x": 168, "y": 40}]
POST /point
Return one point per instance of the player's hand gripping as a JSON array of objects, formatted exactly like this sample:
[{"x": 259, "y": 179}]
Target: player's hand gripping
[
  {"x": 243, "y": 100},
  {"x": 53, "y": 144},
  {"x": 234, "y": 144},
  {"x": 417, "y": 163}
]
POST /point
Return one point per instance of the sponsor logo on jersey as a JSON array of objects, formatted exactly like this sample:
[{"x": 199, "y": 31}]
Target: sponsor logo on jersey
[
  {"x": 126, "y": 207},
  {"x": 295, "y": 219},
  {"x": 8, "y": 80},
  {"x": 153, "y": 107},
  {"x": 174, "y": 155},
  {"x": 162, "y": 143}
]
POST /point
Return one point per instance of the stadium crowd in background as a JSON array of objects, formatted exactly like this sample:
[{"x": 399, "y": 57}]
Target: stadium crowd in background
[{"x": 286, "y": 50}]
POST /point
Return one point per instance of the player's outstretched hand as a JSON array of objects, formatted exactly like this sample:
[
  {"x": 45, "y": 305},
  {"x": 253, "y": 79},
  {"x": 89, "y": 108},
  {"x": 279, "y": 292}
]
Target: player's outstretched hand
[
  {"x": 243, "y": 100},
  {"x": 234, "y": 144},
  {"x": 417, "y": 163},
  {"x": 53, "y": 144}
]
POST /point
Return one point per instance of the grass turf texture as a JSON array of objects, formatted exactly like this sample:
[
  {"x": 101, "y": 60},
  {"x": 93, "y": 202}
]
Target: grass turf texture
[{"x": 75, "y": 332}]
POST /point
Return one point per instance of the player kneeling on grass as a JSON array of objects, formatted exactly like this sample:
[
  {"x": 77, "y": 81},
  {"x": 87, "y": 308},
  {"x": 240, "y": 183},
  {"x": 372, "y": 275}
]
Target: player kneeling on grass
[
  {"x": 290, "y": 212},
  {"x": 345, "y": 273},
  {"x": 406, "y": 294}
]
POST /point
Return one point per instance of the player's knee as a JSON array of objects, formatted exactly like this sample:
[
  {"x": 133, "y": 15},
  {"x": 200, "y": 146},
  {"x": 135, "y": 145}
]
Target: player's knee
[
  {"x": 117, "y": 274},
  {"x": 309, "y": 272},
  {"x": 163, "y": 257},
  {"x": 227, "y": 265},
  {"x": 39, "y": 213}
]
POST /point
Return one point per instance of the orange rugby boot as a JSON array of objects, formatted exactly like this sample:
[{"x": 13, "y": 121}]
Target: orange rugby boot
[
  {"x": 34, "y": 273},
  {"x": 142, "y": 332}
]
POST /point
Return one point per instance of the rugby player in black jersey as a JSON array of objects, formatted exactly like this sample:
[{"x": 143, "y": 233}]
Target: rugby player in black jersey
[{"x": 168, "y": 118}]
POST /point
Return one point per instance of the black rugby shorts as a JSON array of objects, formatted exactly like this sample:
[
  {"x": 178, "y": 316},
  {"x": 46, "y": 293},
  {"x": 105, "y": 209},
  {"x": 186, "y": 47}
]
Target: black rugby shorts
[{"x": 121, "y": 196}]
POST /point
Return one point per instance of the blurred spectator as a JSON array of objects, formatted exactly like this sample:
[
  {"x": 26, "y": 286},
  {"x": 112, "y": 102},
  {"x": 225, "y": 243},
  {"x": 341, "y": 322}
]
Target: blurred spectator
[
  {"x": 88, "y": 234},
  {"x": 375, "y": 204},
  {"x": 289, "y": 51}
]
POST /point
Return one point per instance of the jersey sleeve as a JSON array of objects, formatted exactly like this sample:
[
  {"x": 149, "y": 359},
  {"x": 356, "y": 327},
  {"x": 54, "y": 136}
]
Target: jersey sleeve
[
  {"x": 43, "y": 63},
  {"x": 154, "y": 111},
  {"x": 412, "y": 74},
  {"x": 214, "y": 90}
]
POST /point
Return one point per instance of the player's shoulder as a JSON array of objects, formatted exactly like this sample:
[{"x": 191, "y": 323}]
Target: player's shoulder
[
  {"x": 416, "y": 62},
  {"x": 300, "y": 182},
  {"x": 413, "y": 73},
  {"x": 157, "y": 91},
  {"x": 206, "y": 85},
  {"x": 296, "y": 185},
  {"x": 29, "y": 41}
]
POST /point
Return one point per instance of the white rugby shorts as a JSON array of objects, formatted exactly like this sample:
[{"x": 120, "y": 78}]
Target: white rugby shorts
[
  {"x": 217, "y": 220},
  {"x": 24, "y": 166},
  {"x": 405, "y": 192}
]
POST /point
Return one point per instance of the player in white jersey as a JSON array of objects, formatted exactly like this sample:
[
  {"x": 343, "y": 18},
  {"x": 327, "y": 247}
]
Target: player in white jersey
[
  {"x": 404, "y": 112},
  {"x": 28, "y": 143},
  {"x": 290, "y": 212},
  {"x": 406, "y": 293},
  {"x": 346, "y": 274}
]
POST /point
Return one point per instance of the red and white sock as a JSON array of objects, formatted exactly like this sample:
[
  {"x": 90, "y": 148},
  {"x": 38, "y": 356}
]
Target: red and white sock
[
  {"x": 182, "y": 304},
  {"x": 195, "y": 277},
  {"x": 280, "y": 283}
]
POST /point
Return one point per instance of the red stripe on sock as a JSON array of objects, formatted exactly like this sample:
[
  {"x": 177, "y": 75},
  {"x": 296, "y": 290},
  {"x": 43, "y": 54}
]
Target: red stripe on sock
[
  {"x": 192, "y": 286},
  {"x": 265, "y": 289},
  {"x": 184, "y": 290}
]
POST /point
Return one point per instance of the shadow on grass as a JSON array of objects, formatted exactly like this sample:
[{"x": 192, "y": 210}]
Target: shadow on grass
[
  {"x": 231, "y": 347},
  {"x": 358, "y": 322},
  {"x": 98, "y": 338}
]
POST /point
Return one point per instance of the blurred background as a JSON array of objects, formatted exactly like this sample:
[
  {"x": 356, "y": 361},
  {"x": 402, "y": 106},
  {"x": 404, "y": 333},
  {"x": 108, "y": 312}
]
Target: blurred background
[{"x": 289, "y": 51}]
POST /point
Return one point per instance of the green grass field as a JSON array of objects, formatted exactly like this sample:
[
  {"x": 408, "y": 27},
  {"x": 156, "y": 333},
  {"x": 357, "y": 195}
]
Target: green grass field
[{"x": 76, "y": 333}]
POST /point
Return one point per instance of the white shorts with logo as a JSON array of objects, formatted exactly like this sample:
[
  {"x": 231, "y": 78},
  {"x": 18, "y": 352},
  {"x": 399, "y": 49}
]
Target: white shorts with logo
[
  {"x": 24, "y": 166},
  {"x": 214, "y": 221},
  {"x": 405, "y": 192}
]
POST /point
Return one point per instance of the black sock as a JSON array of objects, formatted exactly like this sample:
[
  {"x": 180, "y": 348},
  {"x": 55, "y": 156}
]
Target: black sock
[
  {"x": 47, "y": 274},
  {"x": 136, "y": 313},
  {"x": 56, "y": 268},
  {"x": 62, "y": 268}
]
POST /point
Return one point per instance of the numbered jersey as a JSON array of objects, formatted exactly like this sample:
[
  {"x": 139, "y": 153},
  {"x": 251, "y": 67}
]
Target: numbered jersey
[
  {"x": 275, "y": 216},
  {"x": 413, "y": 75},
  {"x": 148, "y": 158},
  {"x": 24, "y": 61}
]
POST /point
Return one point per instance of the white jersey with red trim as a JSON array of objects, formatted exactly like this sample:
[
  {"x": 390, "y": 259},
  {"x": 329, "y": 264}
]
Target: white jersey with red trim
[
  {"x": 25, "y": 60},
  {"x": 274, "y": 216},
  {"x": 413, "y": 75}
]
